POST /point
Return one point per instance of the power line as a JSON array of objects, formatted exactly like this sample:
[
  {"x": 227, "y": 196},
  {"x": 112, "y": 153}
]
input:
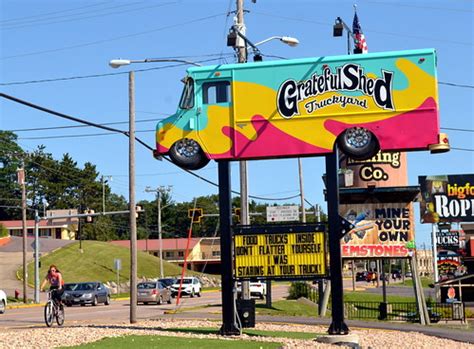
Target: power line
[
  {"x": 398, "y": 34},
  {"x": 78, "y": 126},
  {"x": 50, "y": 13},
  {"x": 457, "y": 129},
  {"x": 398, "y": 4},
  {"x": 114, "y": 38},
  {"x": 455, "y": 85},
  {"x": 68, "y": 20},
  {"x": 100, "y": 75}
]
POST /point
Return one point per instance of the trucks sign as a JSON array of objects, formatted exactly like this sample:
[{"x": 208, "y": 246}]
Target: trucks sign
[{"x": 280, "y": 252}]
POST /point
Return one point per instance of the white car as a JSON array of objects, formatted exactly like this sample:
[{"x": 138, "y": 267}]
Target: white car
[
  {"x": 257, "y": 289},
  {"x": 3, "y": 302},
  {"x": 191, "y": 286}
]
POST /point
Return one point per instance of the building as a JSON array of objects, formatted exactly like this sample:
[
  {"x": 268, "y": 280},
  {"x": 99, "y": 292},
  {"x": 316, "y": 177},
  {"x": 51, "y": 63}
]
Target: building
[
  {"x": 424, "y": 261},
  {"x": 59, "y": 228},
  {"x": 47, "y": 229},
  {"x": 203, "y": 253}
]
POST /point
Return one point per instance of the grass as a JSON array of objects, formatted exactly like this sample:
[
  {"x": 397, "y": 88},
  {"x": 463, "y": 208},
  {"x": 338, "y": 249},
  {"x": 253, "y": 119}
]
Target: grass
[
  {"x": 287, "y": 308},
  {"x": 425, "y": 282},
  {"x": 175, "y": 343},
  {"x": 96, "y": 263},
  {"x": 250, "y": 332},
  {"x": 351, "y": 296}
]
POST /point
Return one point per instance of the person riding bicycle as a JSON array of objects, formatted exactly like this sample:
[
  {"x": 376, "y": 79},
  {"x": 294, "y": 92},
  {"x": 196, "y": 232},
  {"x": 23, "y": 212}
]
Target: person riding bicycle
[{"x": 55, "y": 279}]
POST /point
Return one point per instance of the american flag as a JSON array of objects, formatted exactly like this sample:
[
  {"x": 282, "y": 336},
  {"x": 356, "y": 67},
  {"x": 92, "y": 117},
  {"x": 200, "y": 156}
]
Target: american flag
[{"x": 359, "y": 38}]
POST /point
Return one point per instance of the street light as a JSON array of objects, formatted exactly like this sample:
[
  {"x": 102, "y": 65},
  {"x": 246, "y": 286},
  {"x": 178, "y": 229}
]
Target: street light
[
  {"x": 290, "y": 41},
  {"x": 116, "y": 63}
]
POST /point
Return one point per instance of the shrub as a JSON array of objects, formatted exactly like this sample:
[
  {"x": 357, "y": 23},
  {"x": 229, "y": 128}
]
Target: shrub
[
  {"x": 3, "y": 231},
  {"x": 298, "y": 289}
]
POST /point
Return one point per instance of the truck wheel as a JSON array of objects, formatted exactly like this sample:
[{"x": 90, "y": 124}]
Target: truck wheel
[
  {"x": 358, "y": 143},
  {"x": 188, "y": 154}
]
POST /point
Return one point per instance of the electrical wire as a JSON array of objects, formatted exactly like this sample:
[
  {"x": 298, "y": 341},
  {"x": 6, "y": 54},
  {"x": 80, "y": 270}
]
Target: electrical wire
[
  {"x": 398, "y": 34},
  {"x": 78, "y": 126},
  {"x": 29, "y": 82},
  {"x": 91, "y": 43},
  {"x": 73, "y": 19}
]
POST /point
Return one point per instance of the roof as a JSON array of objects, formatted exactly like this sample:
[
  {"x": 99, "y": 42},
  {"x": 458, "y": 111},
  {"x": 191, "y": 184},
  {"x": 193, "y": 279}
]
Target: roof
[
  {"x": 154, "y": 244},
  {"x": 30, "y": 224}
]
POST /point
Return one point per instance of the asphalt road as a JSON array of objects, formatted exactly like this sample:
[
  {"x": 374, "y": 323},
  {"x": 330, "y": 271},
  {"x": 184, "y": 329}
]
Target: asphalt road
[
  {"x": 11, "y": 259},
  {"x": 116, "y": 311}
]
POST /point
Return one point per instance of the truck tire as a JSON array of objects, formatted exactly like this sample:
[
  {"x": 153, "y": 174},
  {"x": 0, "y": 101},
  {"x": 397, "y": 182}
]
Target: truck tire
[
  {"x": 188, "y": 154},
  {"x": 358, "y": 143}
]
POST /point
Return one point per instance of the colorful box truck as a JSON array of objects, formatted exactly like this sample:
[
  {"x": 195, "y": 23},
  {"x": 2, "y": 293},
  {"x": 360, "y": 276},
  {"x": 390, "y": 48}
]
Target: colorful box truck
[{"x": 303, "y": 107}]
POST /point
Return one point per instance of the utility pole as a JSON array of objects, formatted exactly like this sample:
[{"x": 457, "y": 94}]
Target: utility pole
[
  {"x": 300, "y": 173},
  {"x": 36, "y": 254},
  {"x": 131, "y": 181},
  {"x": 21, "y": 181},
  {"x": 244, "y": 203},
  {"x": 159, "y": 193}
]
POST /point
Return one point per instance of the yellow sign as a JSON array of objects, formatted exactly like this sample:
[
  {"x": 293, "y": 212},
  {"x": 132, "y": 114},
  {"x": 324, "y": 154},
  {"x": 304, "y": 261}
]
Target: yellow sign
[{"x": 280, "y": 255}]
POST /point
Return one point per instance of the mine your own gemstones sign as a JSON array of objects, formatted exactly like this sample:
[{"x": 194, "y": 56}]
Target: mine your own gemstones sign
[{"x": 279, "y": 252}]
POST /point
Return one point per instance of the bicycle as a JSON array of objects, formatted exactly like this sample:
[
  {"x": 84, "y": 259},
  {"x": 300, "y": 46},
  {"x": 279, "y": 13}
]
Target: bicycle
[{"x": 53, "y": 309}]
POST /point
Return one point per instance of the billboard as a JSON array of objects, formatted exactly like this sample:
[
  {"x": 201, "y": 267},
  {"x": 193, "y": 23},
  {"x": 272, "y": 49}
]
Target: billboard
[
  {"x": 279, "y": 252},
  {"x": 447, "y": 198},
  {"x": 379, "y": 230}
]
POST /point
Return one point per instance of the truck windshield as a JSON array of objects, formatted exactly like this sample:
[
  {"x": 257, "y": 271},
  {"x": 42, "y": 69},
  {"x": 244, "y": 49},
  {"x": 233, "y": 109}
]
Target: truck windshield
[{"x": 187, "y": 98}]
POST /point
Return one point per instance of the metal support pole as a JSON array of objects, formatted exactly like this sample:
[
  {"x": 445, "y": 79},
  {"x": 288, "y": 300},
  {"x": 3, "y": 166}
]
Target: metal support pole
[
  {"x": 158, "y": 194},
  {"x": 225, "y": 220},
  {"x": 36, "y": 255},
  {"x": 133, "y": 218},
  {"x": 300, "y": 175},
  {"x": 338, "y": 326}
]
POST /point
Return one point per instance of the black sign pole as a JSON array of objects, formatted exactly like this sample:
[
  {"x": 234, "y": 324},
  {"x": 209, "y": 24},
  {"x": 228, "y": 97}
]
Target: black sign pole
[
  {"x": 225, "y": 220},
  {"x": 338, "y": 325}
]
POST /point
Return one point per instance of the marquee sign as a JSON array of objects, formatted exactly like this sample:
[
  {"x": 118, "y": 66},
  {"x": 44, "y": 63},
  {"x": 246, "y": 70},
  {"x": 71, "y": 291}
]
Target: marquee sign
[
  {"x": 447, "y": 198},
  {"x": 280, "y": 252}
]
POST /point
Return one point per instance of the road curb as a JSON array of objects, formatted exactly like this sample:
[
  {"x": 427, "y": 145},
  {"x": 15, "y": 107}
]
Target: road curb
[{"x": 25, "y": 306}]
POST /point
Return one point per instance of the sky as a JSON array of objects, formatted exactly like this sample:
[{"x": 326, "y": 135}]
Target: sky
[{"x": 70, "y": 41}]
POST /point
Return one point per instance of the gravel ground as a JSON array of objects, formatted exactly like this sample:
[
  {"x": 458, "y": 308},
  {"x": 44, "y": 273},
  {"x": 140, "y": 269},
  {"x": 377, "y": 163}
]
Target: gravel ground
[{"x": 69, "y": 336}]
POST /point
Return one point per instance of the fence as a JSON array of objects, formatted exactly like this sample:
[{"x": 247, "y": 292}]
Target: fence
[
  {"x": 393, "y": 311},
  {"x": 403, "y": 311}
]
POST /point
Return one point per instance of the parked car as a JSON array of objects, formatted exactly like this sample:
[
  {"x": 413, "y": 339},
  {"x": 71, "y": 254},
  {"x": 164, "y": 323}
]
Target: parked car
[
  {"x": 408, "y": 274},
  {"x": 153, "y": 292},
  {"x": 167, "y": 282},
  {"x": 257, "y": 289},
  {"x": 3, "y": 302},
  {"x": 361, "y": 276},
  {"x": 86, "y": 293},
  {"x": 191, "y": 286}
]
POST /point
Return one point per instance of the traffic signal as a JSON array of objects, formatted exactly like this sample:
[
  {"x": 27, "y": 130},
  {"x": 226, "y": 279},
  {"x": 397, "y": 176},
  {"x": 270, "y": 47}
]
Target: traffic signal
[
  {"x": 89, "y": 219},
  {"x": 237, "y": 213},
  {"x": 138, "y": 209},
  {"x": 195, "y": 214}
]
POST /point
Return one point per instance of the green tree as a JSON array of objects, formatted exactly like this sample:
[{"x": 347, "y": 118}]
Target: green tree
[{"x": 11, "y": 156}]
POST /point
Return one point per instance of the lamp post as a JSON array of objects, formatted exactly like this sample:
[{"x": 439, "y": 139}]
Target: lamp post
[{"x": 117, "y": 63}]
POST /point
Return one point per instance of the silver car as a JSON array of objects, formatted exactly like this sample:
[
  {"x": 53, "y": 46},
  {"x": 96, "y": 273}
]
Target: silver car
[{"x": 153, "y": 292}]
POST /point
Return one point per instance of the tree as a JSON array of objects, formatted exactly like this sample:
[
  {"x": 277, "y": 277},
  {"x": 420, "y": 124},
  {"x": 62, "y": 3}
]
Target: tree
[{"x": 11, "y": 156}]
